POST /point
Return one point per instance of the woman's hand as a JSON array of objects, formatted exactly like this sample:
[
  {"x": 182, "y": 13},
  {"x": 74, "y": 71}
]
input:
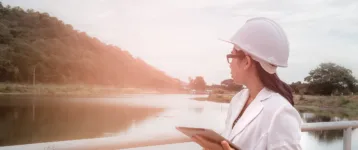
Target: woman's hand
[
  {"x": 208, "y": 145},
  {"x": 226, "y": 145}
]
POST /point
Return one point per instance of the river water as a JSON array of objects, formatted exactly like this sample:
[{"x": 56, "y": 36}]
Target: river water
[{"x": 34, "y": 119}]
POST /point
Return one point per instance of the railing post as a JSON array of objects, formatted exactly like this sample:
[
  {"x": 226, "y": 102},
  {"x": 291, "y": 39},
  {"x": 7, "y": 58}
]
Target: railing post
[{"x": 347, "y": 138}]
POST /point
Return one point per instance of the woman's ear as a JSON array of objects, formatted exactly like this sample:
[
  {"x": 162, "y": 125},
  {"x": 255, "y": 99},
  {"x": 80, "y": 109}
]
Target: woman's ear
[{"x": 248, "y": 62}]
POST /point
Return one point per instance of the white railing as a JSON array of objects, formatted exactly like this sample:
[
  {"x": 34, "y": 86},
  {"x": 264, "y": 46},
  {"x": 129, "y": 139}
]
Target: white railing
[
  {"x": 115, "y": 143},
  {"x": 347, "y": 127}
]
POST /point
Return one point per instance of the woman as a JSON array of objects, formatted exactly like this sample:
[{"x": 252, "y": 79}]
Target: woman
[{"x": 261, "y": 116}]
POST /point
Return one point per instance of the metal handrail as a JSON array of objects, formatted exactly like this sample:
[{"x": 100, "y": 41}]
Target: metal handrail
[
  {"x": 115, "y": 143},
  {"x": 319, "y": 126}
]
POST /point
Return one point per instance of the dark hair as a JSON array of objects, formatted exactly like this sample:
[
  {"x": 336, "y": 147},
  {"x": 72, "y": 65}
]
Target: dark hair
[
  {"x": 274, "y": 83},
  {"x": 271, "y": 81}
]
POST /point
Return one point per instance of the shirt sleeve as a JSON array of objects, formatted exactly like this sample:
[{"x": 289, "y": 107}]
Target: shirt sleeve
[{"x": 285, "y": 130}]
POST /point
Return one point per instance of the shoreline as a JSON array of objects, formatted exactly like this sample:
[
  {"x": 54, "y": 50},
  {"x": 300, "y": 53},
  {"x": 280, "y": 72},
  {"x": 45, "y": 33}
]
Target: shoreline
[
  {"x": 344, "y": 106},
  {"x": 75, "y": 90}
]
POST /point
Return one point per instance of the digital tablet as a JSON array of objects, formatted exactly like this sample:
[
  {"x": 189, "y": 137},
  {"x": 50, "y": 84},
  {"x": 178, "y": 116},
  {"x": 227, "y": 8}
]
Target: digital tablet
[{"x": 207, "y": 134}]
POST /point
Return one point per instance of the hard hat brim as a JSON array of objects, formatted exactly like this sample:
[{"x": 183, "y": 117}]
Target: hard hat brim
[
  {"x": 236, "y": 45},
  {"x": 269, "y": 68}
]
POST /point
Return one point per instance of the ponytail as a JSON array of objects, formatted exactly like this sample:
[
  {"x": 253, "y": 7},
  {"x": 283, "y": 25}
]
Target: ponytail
[{"x": 273, "y": 82}]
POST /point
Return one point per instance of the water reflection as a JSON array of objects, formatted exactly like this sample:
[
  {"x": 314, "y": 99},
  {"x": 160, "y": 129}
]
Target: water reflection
[
  {"x": 327, "y": 136},
  {"x": 56, "y": 119},
  {"x": 22, "y": 121}
]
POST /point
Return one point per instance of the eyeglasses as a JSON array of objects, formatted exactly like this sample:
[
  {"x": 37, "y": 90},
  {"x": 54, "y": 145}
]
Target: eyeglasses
[{"x": 229, "y": 57}]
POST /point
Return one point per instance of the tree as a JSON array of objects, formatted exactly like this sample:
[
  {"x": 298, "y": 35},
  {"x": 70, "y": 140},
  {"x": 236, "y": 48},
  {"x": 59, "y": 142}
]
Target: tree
[
  {"x": 329, "y": 78},
  {"x": 198, "y": 83},
  {"x": 66, "y": 55},
  {"x": 229, "y": 84},
  {"x": 5, "y": 36},
  {"x": 299, "y": 87},
  {"x": 191, "y": 83}
]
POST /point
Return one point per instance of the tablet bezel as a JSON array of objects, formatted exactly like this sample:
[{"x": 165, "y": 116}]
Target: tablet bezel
[{"x": 205, "y": 133}]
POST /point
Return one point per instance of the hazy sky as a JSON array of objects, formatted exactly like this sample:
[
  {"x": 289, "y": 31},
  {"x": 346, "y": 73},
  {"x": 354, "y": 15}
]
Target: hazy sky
[{"x": 181, "y": 37}]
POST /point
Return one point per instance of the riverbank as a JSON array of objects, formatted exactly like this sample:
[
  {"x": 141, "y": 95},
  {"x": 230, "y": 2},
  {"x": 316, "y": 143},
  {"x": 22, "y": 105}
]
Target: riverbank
[
  {"x": 340, "y": 106},
  {"x": 219, "y": 98},
  {"x": 70, "y": 90}
]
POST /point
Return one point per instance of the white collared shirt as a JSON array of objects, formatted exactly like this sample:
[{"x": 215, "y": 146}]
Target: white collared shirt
[{"x": 270, "y": 122}]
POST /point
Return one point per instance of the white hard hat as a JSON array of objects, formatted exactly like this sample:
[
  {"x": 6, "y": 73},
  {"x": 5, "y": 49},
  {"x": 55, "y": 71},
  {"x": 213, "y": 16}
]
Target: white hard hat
[{"x": 265, "y": 41}]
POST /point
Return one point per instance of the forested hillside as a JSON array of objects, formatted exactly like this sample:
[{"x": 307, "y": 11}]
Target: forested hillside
[{"x": 34, "y": 43}]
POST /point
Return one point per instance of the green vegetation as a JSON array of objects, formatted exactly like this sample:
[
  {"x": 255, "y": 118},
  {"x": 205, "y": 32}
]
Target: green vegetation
[
  {"x": 327, "y": 79},
  {"x": 340, "y": 106},
  {"x": 229, "y": 85},
  {"x": 219, "y": 98},
  {"x": 38, "y": 48},
  {"x": 69, "y": 90},
  {"x": 198, "y": 83},
  {"x": 349, "y": 102}
]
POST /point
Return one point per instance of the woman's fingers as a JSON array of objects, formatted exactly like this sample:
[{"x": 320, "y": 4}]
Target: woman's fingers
[
  {"x": 197, "y": 140},
  {"x": 226, "y": 145},
  {"x": 207, "y": 144}
]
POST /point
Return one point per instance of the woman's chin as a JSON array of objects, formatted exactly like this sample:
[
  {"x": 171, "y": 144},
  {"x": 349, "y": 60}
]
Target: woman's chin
[{"x": 237, "y": 82}]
